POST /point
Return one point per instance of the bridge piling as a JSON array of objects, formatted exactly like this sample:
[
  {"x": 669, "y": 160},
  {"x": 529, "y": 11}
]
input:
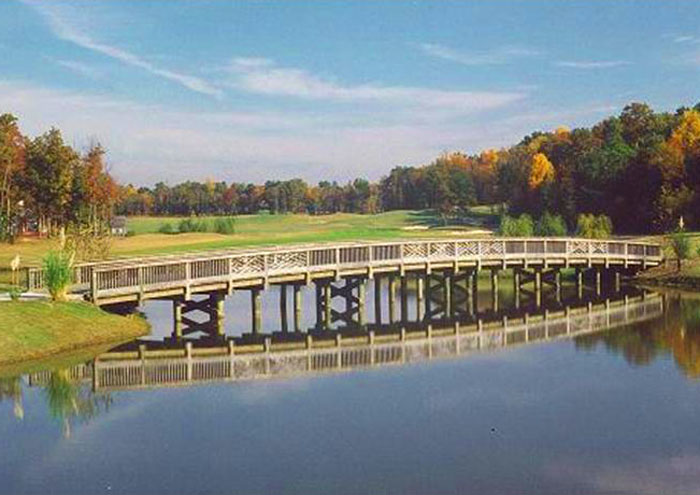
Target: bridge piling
[
  {"x": 283, "y": 308},
  {"x": 392, "y": 298},
  {"x": 377, "y": 299},
  {"x": 256, "y": 310},
  {"x": 297, "y": 307}
]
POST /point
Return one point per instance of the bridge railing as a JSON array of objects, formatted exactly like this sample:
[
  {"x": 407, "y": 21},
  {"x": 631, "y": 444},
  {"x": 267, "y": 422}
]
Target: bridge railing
[{"x": 165, "y": 271}]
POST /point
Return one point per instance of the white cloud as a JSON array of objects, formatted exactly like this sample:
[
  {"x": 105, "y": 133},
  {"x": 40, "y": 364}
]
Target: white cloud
[
  {"x": 676, "y": 474},
  {"x": 686, "y": 39},
  {"x": 63, "y": 24},
  {"x": 590, "y": 64},
  {"x": 263, "y": 76},
  {"x": 80, "y": 68},
  {"x": 149, "y": 143},
  {"x": 494, "y": 57}
]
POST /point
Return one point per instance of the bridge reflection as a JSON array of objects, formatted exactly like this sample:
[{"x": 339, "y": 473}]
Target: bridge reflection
[{"x": 215, "y": 358}]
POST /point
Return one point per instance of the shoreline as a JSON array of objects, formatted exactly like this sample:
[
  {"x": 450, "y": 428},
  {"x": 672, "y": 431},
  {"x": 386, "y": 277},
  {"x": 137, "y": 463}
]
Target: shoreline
[{"x": 36, "y": 330}]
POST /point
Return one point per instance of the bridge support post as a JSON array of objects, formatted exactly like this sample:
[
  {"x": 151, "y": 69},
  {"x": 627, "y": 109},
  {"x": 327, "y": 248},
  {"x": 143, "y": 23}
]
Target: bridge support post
[
  {"x": 579, "y": 282},
  {"x": 327, "y": 305},
  {"x": 256, "y": 310},
  {"x": 420, "y": 296},
  {"x": 494, "y": 288},
  {"x": 447, "y": 293},
  {"x": 319, "y": 305},
  {"x": 377, "y": 299},
  {"x": 178, "y": 304},
  {"x": 617, "y": 280},
  {"x": 516, "y": 287},
  {"x": 557, "y": 284},
  {"x": 361, "y": 295},
  {"x": 283, "y": 308},
  {"x": 538, "y": 286},
  {"x": 297, "y": 307},
  {"x": 598, "y": 282},
  {"x": 404, "y": 298},
  {"x": 392, "y": 298},
  {"x": 217, "y": 300}
]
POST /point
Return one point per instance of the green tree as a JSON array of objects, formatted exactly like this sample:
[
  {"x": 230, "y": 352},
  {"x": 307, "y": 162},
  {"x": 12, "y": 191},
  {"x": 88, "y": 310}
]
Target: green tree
[
  {"x": 680, "y": 244},
  {"x": 550, "y": 225},
  {"x": 50, "y": 169}
]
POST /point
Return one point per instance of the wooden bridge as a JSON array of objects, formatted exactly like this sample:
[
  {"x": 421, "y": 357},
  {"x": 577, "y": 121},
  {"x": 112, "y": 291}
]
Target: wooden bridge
[
  {"x": 221, "y": 272},
  {"x": 229, "y": 360}
]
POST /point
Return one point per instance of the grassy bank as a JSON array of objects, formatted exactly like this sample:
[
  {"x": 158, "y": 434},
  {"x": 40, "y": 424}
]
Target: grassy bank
[
  {"x": 256, "y": 230},
  {"x": 33, "y": 330}
]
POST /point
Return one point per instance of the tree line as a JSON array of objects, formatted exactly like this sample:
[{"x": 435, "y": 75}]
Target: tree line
[
  {"x": 641, "y": 169},
  {"x": 48, "y": 186}
]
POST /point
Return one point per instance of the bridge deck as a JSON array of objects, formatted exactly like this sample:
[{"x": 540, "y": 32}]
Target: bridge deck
[{"x": 164, "y": 276}]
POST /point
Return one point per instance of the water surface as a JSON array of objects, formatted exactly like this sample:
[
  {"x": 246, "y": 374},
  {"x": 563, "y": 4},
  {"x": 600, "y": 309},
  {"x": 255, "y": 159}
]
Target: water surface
[{"x": 610, "y": 412}]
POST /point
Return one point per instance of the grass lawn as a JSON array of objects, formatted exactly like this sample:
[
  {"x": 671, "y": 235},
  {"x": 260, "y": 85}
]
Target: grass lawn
[
  {"x": 35, "y": 329},
  {"x": 263, "y": 229}
]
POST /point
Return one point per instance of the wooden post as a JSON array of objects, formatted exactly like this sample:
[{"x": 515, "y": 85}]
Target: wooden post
[
  {"x": 598, "y": 284},
  {"x": 327, "y": 305},
  {"x": 377, "y": 299},
  {"x": 361, "y": 295},
  {"x": 420, "y": 295},
  {"x": 516, "y": 286},
  {"x": 557, "y": 284},
  {"x": 319, "y": 305},
  {"x": 256, "y": 306},
  {"x": 579, "y": 282},
  {"x": 494, "y": 288},
  {"x": 447, "y": 290},
  {"x": 297, "y": 308},
  {"x": 219, "y": 300},
  {"x": 617, "y": 281},
  {"x": 392, "y": 298},
  {"x": 177, "y": 317},
  {"x": 404, "y": 298},
  {"x": 283, "y": 307},
  {"x": 428, "y": 305}
]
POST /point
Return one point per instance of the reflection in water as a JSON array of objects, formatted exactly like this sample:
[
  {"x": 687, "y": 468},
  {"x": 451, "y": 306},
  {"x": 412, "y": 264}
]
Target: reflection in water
[
  {"x": 79, "y": 392},
  {"x": 677, "y": 335},
  {"x": 522, "y": 420},
  {"x": 69, "y": 399},
  {"x": 11, "y": 389}
]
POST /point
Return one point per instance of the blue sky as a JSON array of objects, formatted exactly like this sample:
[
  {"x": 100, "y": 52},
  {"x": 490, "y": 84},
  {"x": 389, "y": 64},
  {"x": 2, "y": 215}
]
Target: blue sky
[{"x": 245, "y": 91}]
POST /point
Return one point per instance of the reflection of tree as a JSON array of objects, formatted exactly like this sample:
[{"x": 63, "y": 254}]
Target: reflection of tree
[
  {"x": 68, "y": 399},
  {"x": 677, "y": 334},
  {"x": 11, "y": 388}
]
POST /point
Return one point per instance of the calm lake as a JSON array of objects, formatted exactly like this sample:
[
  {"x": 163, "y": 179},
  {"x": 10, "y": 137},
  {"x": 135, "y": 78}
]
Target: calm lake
[{"x": 613, "y": 410}]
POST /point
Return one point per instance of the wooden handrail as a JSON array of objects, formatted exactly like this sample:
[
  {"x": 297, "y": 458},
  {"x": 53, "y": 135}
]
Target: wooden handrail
[{"x": 294, "y": 258}]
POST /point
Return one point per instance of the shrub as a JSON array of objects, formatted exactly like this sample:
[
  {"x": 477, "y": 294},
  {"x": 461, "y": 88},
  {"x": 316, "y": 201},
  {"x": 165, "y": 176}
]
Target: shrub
[
  {"x": 193, "y": 225},
  {"x": 594, "y": 227},
  {"x": 521, "y": 226},
  {"x": 225, "y": 225},
  {"x": 166, "y": 228},
  {"x": 130, "y": 233},
  {"x": 550, "y": 226},
  {"x": 58, "y": 273},
  {"x": 680, "y": 244},
  {"x": 15, "y": 293}
]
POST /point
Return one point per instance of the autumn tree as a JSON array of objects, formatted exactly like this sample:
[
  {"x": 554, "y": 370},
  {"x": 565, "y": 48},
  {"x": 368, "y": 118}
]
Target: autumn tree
[
  {"x": 50, "y": 170},
  {"x": 12, "y": 158}
]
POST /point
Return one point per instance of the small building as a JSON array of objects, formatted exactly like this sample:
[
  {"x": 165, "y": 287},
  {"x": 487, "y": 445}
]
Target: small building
[{"x": 118, "y": 225}]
